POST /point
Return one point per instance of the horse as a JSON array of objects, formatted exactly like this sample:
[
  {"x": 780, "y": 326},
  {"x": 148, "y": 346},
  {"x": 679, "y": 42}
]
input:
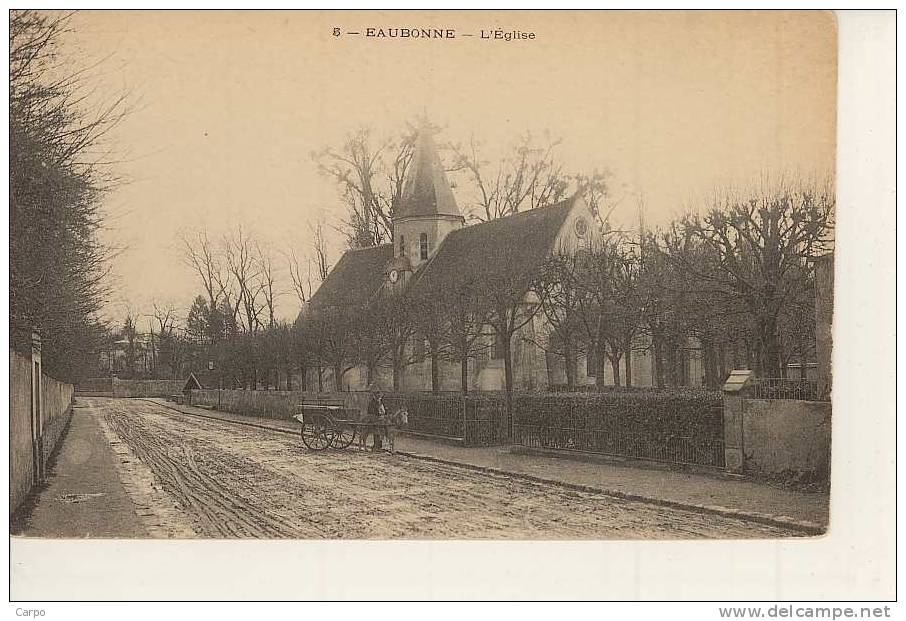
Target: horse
[{"x": 384, "y": 427}]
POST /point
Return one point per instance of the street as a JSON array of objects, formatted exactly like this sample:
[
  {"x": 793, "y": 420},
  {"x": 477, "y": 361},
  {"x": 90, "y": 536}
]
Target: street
[{"x": 196, "y": 477}]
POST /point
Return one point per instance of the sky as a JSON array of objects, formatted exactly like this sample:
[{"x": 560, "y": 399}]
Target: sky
[{"x": 227, "y": 107}]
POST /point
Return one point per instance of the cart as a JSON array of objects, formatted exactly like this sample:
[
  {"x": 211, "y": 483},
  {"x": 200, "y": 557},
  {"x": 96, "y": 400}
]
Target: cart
[{"x": 329, "y": 425}]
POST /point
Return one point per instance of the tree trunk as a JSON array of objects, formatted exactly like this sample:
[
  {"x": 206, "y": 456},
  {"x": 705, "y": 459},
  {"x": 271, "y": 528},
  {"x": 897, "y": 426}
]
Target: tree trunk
[
  {"x": 769, "y": 347},
  {"x": 615, "y": 365},
  {"x": 658, "y": 362},
  {"x": 303, "y": 376},
  {"x": 397, "y": 373},
  {"x": 709, "y": 363},
  {"x": 721, "y": 362},
  {"x": 337, "y": 378},
  {"x": 628, "y": 358},
  {"x": 601, "y": 357},
  {"x": 435, "y": 372},
  {"x": 464, "y": 374},
  {"x": 569, "y": 358},
  {"x": 508, "y": 381},
  {"x": 673, "y": 375},
  {"x": 320, "y": 377}
]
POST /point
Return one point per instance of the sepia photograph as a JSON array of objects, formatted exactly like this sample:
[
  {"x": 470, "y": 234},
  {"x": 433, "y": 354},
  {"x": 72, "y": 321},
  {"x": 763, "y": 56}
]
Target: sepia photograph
[{"x": 422, "y": 275}]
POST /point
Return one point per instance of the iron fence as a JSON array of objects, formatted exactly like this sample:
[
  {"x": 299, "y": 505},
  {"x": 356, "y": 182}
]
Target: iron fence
[
  {"x": 449, "y": 415},
  {"x": 625, "y": 443},
  {"x": 784, "y": 388},
  {"x": 668, "y": 426}
]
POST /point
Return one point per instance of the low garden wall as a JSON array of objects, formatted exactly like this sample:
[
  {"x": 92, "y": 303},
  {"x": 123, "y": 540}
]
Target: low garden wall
[
  {"x": 787, "y": 439},
  {"x": 146, "y": 388},
  {"x": 96, "y": 386},
  {"x": 276, "y": 404}
]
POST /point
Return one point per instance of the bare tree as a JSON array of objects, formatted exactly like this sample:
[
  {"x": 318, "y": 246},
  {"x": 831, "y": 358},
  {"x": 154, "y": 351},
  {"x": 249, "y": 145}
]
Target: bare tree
[
  {"x": 319, "y": 247},
  {"x": 558, "y": 285},
  {"x": 528, "y": 177},
  {"x": 370, "y": 174},
  {"x": 267, "y": 284},
  {"x": 243, "y": 267},
  {"x": 300, "y": 278},
  {"x": 203, "y": 256},
  {"x": 761, "y": 243}
]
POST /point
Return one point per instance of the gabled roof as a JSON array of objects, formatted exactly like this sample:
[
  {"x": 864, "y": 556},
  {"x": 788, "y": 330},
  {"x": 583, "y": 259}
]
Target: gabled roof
[
  {"x": 426, "y": 191},
  {"x": 500, "y": 251},
  {"x": 192, "y": 383},
  {"x": 508, "y": 251},
  {"x": 355, "y": 278}
]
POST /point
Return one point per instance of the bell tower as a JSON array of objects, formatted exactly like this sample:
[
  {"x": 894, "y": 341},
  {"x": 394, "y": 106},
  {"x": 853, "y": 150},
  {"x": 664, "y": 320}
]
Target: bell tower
[{"x": 427, "y": 210}]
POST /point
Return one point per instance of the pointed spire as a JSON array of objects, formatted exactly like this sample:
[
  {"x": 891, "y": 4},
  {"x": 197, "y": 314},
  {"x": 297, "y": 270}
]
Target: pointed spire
[{"x": 426, "y": 191}]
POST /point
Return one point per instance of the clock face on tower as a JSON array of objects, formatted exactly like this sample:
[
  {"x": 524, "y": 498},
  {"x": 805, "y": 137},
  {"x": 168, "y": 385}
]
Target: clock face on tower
[{"x": 394, "y": 276}]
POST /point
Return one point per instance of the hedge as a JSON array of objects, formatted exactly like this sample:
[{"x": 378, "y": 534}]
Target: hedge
[{"x": 678, "y": 425}]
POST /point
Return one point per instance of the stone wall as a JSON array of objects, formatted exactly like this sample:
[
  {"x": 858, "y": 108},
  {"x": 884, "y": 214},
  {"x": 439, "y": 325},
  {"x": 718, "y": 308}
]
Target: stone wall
[
  {"x": 824, "y": 321},
  {"x": 56, "y": 410},
  {"x": 787, "y": 439},
  {"x": 96, "y": 385},
  {"x": 147, "y": 388},
  {"x": 21, "y": 464},
  {"x": 276, "y": 404}
]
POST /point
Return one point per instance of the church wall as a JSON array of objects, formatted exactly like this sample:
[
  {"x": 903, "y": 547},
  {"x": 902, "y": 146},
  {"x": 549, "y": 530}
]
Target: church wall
[{"x": 568, "y": 241}]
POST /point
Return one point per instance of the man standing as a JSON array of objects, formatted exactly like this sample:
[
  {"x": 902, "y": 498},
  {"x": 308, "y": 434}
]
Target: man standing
[{"x": 377, "y": 414}]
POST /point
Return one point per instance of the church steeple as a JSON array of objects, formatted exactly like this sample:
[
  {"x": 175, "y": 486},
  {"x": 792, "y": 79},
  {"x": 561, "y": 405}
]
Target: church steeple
[
  {"x": 426, "y": 191},
  {"x": 427, "y": 210}
]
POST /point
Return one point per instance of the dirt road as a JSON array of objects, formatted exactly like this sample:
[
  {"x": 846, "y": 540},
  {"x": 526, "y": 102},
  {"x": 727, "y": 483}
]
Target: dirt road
[{"x": 226, "y": 481}]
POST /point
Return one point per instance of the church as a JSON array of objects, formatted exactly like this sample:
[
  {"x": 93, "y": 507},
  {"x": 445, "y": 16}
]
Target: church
[{"x": 431, "y": 247}]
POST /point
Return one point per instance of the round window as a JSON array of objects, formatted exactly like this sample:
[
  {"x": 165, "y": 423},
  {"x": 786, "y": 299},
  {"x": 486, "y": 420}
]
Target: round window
[{"x": 581, "y": 227}]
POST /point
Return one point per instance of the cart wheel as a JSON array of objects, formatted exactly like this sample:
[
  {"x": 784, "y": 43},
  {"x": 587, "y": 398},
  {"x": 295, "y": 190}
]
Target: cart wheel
[
  {"x": 343, "y": 437},
  {"x": 316, "y": 436}
]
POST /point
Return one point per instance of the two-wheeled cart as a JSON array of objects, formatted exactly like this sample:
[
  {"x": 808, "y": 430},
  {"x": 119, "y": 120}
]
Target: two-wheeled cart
[{"x": 326, "y": 425}]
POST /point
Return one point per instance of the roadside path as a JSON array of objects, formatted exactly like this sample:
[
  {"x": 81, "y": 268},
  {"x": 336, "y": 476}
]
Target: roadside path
[{"x": 84, "y": 496}]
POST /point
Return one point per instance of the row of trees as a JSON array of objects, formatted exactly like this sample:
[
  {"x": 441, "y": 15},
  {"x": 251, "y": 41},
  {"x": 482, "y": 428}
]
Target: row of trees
[
  {"x": 235, "y": 316},
  {"x": 736, "y": 279},
  {"x": 57, "y": 178},
  {"x": 733, "y": 276}
]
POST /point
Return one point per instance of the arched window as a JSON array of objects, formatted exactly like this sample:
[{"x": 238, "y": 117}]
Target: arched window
[
  {"x": 402, "y": 245},
  {"x": 423, "y": 245}
]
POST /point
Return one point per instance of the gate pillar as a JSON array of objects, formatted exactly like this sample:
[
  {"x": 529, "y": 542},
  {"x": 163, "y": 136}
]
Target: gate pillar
[{"x": 734, "y": 392}]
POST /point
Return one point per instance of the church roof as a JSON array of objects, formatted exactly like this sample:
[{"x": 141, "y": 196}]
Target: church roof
[
  {"x": 507, "y": 250},
  {"x": 355, "y": 279},
  {"x": 426, "y": 191}
]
